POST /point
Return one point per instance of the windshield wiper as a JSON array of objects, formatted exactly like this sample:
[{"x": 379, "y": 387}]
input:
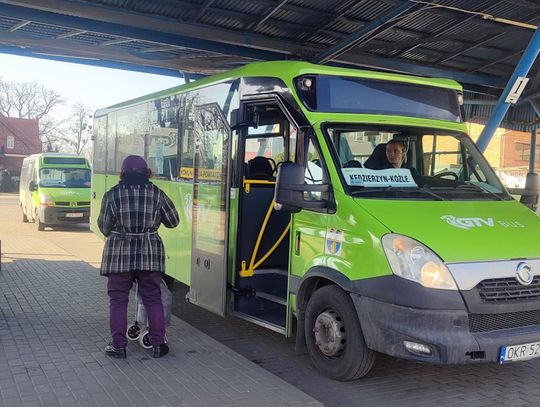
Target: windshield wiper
[
  {"x": 423, "y": 190},
  {"x": 468, "y": 187},
  {"x": 474, "y": 187}
]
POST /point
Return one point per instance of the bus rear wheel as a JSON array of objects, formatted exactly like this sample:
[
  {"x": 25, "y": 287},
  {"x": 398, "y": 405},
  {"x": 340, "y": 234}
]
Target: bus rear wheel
[{"x": 334, "y": 336}]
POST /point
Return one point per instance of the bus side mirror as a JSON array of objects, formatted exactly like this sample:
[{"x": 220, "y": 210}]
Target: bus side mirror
[
  {"x": 32, "y": 186},
  {"x": 291, "y": 190}
]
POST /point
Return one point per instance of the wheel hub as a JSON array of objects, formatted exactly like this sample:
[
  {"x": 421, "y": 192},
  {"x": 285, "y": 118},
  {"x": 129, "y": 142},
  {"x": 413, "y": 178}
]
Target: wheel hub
[{"x": 329, "y": 333}]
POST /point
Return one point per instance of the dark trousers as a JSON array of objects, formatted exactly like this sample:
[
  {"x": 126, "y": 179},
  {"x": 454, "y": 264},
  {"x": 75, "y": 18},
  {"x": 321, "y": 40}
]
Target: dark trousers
[{"x": 118, "y": 288}]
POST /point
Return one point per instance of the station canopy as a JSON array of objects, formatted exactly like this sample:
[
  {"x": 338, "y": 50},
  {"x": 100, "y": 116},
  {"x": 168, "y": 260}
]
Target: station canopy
[{"x": 476, "y": 42}]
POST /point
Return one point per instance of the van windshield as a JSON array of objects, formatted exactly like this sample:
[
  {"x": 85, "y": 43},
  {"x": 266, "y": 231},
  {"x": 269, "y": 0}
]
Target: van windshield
[
  {"x": 412, "y": 163},
  {"x": 64, "y": 178}
]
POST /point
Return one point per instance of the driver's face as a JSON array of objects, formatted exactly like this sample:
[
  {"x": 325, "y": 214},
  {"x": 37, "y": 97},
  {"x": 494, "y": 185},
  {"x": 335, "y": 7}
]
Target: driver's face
[{"x": 394, "y": 153}]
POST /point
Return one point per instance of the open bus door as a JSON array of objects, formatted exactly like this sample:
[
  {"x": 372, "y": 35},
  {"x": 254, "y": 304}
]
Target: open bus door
[{"x": 210, "y": 209}]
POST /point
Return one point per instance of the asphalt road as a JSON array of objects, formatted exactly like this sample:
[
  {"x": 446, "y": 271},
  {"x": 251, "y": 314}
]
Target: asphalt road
[{"x": 392, "y": 382}]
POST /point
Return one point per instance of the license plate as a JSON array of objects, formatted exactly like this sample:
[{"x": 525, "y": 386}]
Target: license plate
[
  {"x": 74, "y": 215},
  {"x": 519, "y": 352}
]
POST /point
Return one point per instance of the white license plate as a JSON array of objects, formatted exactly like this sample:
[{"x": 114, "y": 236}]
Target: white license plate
[
  {"x": 519, "y": 352},
  {"x": 74, "y": 215}
]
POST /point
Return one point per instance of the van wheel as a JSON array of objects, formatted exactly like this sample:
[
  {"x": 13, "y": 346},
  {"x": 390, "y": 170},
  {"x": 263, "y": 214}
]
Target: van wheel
[
  {"x": 39, "y": 224},
  {"x": 334, "y": 337}
]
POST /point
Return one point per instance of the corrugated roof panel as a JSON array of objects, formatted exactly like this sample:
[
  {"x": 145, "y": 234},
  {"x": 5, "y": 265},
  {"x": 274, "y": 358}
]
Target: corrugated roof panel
[
  {"x": 246, "y": 7},
  {"x": 46, "y": 30},
  {"x": 369, "y": 9},
  {"x": 7, "y": 23},
  {"x": 423, "y": 22},
  {"x": 417, "y": 56}
]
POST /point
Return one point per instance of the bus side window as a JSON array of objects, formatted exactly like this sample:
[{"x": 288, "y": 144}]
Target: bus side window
[{"x": 314, "y": 173}]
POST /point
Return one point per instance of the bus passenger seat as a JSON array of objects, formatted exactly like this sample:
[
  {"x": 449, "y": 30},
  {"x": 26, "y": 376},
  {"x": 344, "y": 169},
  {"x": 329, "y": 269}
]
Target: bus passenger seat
[
  {"x": 352, "y": 164},
  {"x": 259, "y": 168},
  {"x": 378, "y": 160}
]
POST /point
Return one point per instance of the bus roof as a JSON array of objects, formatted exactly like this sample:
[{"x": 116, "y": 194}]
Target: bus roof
[
  {"x": 288, "y": 70},
  {"x": 61, "y": 159}
]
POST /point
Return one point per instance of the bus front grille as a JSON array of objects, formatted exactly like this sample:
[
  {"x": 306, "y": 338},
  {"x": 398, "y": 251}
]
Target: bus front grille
[{"x": 508, "y": 289}]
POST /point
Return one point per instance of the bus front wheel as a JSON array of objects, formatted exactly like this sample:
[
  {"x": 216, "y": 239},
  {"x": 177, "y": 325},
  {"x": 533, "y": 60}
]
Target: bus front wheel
[{"x": 334, "y": 336}]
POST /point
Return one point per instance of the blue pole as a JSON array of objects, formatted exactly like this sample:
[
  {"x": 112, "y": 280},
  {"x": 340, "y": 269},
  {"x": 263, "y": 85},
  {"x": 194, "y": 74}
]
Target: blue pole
[
  {"x": 532, "y": 157},
  {"x": 522, "y": 69}
]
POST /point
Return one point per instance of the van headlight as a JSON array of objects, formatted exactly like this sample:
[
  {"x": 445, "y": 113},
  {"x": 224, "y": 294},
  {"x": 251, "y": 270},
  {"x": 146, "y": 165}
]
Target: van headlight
[
  {"x": 412, "y": 260},
  {"x": 45, "y": 200}
]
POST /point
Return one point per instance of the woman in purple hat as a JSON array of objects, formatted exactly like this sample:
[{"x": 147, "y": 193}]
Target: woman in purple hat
[{"x": 131, "y": 213}]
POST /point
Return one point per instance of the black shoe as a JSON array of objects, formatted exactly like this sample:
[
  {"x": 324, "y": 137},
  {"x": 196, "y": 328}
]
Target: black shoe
[
  {"x": 113, "y": 352},
  {"x": 160, "y": 350}
]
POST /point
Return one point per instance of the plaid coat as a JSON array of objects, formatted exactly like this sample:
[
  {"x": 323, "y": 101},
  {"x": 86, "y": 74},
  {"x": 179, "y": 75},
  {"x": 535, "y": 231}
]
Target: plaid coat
[{"x": 130, "y": 217}]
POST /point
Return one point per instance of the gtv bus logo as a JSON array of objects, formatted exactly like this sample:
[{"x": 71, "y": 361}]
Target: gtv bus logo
[{"x": 467, "y": 223}]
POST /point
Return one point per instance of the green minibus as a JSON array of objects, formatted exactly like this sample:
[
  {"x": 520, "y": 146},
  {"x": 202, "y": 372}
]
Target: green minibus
[
  {"x": 293, "y": 216},
  {"x": 55, "y": 189}
]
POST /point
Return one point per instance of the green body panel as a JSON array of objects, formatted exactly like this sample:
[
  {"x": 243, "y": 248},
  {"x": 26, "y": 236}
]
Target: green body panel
[
  {"x": 513, "y": 234},
  {"x": 98, "y": 188}
]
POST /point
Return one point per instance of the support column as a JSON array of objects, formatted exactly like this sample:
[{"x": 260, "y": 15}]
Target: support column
[{"x": 522, "y": 69}]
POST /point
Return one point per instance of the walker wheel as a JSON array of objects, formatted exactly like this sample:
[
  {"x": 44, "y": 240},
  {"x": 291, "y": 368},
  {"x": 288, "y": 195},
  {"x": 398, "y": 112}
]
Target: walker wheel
[
  {"x": 134, "y": 332},
  {"x": 144, "y": 340}
]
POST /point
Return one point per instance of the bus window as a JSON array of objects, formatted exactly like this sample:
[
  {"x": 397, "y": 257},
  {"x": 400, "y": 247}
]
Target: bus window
[
  {"x": 355, "y": 146},
  {"x": 162, "y": 140},
  {"x": 130, "y": 133},
  {"x": 314, "y": 173},
  {"x": 276, "y": 142}
]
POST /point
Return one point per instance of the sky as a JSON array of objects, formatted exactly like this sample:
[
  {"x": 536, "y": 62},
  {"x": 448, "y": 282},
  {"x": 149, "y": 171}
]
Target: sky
[{"x": 94, "y": 86}]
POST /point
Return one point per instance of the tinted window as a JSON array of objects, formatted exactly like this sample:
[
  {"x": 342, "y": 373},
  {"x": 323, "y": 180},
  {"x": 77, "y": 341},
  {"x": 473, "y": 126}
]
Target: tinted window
[
  {"x": 354, "y": 95},
  {"x": 64, "y": 160}
]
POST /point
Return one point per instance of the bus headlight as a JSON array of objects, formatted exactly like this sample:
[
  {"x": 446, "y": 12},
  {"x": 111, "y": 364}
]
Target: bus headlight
[{"x": 412, "y": 260}]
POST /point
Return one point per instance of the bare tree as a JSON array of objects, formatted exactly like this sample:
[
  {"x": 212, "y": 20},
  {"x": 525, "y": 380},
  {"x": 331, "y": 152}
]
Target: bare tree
[
  {"x": 52, "y": 133},
  {"x": 79, "y": 127},
  {"x": 28, "y": 100}
]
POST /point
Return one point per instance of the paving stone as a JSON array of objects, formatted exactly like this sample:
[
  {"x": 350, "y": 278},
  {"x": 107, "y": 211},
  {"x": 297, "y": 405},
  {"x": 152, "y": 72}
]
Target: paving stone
[{"x": 54, "y": 323}]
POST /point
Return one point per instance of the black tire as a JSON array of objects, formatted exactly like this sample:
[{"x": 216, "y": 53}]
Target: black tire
[
  {"x": 39, "y": 224},
  {"x": 350, "y": 358}
]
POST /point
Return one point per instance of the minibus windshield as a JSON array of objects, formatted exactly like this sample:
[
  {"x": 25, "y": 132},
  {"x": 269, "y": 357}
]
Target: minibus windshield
[
  {"x": 412, "y": 163},
  {"x": 64, "y": 178}
]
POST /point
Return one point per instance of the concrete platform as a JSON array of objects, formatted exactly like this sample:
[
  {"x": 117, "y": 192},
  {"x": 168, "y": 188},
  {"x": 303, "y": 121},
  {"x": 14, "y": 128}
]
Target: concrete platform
[{"x": 54, "y": 325}]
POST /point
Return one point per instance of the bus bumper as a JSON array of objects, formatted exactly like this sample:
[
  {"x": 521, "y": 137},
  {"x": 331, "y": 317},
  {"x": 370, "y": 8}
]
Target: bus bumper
[
  {"x": 386, "y": 327},
  {"x": 51, "y": 215}
]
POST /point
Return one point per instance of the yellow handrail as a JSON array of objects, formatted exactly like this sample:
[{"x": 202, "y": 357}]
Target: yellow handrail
[
  {"x": 252, "y": 265},
  {"x": 249, "y": 182}
]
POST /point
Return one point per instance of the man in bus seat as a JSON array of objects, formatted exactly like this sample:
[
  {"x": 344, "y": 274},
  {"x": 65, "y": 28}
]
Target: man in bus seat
[
  {"x": 260, "y": 168},
  {"x": 74, "y": 179},
  {"x": 389, "y": 155}
]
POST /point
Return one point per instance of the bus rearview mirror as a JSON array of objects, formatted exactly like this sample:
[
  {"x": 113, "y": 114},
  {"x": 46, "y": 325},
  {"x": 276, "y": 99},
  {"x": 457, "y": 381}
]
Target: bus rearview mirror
[{"x": 291, "y": 190}]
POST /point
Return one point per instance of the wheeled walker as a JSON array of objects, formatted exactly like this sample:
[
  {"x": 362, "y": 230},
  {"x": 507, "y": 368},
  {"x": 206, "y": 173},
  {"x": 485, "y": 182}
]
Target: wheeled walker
[{"x": 138, "y": 330}]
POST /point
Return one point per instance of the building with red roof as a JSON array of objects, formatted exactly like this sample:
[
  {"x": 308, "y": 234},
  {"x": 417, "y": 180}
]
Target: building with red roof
[{"x": 19, "y": 138}]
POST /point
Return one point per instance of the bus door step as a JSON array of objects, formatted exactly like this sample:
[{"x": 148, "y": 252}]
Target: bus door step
[{"x": 272, "y": 298}]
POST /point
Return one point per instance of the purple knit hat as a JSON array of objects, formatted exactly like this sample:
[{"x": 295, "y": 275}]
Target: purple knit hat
[{"x": 134, "y": 163}]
